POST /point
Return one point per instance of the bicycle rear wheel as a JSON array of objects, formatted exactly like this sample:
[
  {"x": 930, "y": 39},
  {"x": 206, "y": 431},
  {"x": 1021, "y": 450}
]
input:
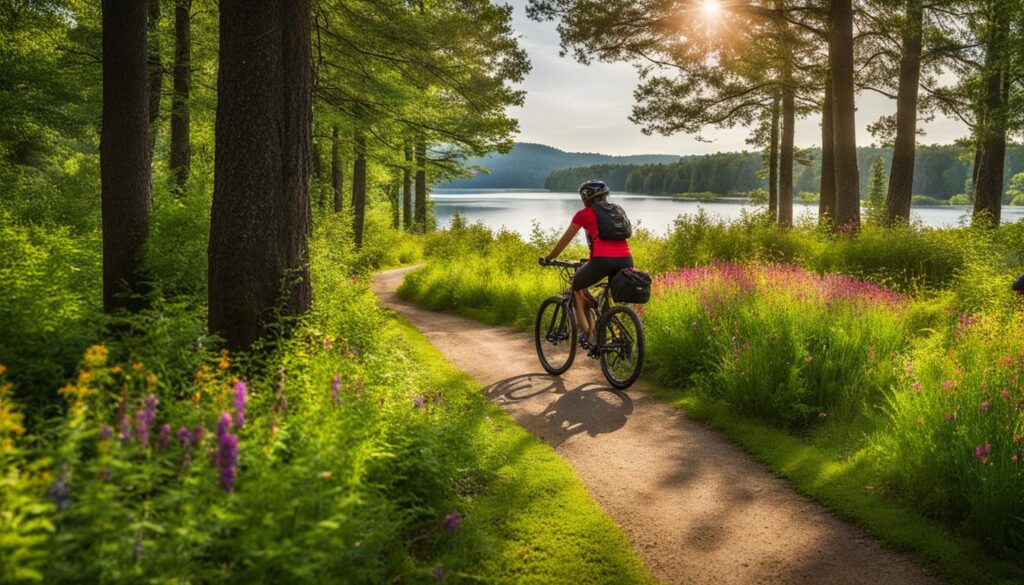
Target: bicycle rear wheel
[
  {"x": 621, "y": 342},
  {"x": 555, "y": 336}
]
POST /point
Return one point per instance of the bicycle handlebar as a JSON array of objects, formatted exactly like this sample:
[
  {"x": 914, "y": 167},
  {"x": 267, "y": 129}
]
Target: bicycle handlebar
[{"x": 562, "y": 263}]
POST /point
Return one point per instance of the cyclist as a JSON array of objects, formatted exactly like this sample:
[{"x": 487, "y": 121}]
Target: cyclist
[{"x": 607, "y": 257}]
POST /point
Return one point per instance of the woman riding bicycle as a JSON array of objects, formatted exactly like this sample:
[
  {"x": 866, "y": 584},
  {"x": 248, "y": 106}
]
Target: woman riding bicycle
[{"x": 607, "y": 257}]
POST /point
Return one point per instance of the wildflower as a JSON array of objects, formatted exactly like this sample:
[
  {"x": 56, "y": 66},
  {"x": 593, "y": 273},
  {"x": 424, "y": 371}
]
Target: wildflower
[
  {"x": 151, "y": 379},
  {"x": 328, "y": 342},
  {"x": 920, "y": 421},
  {"x": 225, "y": 363},
  {"x": 947, "y": 384},
  {"x": 3, "y": 369},
  {"x": 419, "y": 402},
  {"x": 145, "y": 417},
  {"x": 1006, "y": 394},
  {"x": 137, "y": 366},
  {"x": 106, "y": 432},
  {"x": 452, "y": 521},
  {"x": 984, "y": 406},
  {"x": 916, "y": 386},
  {"x": 335, "y": 385},
  {"x": 981, "y": 452},
  {"x": 1014, "y": 458},
  {"x": 197, "y": 435},
  {"x": 165, "y": 436},
  {"x": 96, "y": 355},
  {"x": 949, "y": 417},
  {"x": 808, "y": 358},
  {"x": 185, "y": 438},
  {"x": 241, "y": 397},
  {"x": 822, "y": 415},
  {"x": 326, "y": 475},
  {"x": 104, "y": 474},
  {"x": 227, "y": 453},
  {"x": 439, "y": 573}
]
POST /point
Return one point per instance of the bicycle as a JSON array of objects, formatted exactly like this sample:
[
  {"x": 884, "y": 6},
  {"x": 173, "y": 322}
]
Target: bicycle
[{"x": 620, "y": 333}]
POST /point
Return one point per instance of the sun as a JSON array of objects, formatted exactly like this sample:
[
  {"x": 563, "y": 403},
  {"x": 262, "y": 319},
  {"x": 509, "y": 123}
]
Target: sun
[{"x": 711, "y": 9}]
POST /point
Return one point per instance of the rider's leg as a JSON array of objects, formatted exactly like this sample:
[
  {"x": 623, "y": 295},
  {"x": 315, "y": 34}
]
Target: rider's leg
[{"x": 583, "y": 315}]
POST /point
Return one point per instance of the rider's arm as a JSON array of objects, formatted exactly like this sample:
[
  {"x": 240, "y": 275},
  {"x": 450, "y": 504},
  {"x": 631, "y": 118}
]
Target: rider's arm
[{"x": 567, "y": 237}]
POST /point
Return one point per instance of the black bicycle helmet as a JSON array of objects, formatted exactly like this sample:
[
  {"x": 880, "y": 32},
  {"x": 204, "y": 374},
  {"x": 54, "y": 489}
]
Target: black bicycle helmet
[{"x": 592, "y": 189}]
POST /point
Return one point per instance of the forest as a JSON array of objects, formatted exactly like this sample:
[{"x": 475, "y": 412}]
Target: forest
[
  {"x": 940, "y": 173},
  {"x": 236, "y": 348}
]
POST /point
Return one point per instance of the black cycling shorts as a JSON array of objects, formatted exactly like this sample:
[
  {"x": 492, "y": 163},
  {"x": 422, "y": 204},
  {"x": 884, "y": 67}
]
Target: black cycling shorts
[{"x": 597, "y": 268}]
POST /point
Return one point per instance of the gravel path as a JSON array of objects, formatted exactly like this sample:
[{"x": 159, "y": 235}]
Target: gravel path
[{"x": 696, "y": 507}]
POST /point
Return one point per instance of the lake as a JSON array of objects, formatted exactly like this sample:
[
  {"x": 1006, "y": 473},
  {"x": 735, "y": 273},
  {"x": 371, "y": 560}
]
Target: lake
[{"x": 516, "y": 210}]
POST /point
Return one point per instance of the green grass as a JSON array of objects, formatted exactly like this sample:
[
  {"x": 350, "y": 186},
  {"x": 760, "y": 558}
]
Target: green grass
[
  {"x": 846, "y": 484},
  {"x": 535, "y": 522}
]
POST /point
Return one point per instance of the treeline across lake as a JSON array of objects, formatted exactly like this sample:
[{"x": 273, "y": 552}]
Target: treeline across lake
[{"x": 940, "y": 173}]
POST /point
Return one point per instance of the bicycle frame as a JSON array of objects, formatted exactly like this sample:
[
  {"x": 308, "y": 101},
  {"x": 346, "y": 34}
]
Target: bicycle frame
[{"x": 601, "y": 304}]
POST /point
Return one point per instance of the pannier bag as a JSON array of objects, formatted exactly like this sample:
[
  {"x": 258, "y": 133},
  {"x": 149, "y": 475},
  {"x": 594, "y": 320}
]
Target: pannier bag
[
  {"x": 631, "y": 286},
  {"x": 612, "y": 223}
]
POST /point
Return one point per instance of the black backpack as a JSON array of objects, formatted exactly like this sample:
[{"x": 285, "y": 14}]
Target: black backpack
[
  {"x": 631, "y": 286},
  {"x": 612, "y": 223}
]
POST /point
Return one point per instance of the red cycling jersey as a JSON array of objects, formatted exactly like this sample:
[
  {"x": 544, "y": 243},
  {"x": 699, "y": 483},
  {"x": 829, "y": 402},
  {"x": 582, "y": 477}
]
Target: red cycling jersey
[{"x": 587, "y": 219}]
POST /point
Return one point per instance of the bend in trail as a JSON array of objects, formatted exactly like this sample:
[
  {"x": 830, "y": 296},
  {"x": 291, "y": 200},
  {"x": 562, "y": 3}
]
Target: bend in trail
[{"x": 697, "y": 508}]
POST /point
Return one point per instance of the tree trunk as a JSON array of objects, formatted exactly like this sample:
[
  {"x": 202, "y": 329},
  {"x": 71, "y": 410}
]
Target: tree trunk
[
  {"x": 827, "y": 189},
  {"x": 421, "y": 185},
  {"x": 181, "y": 141},
  {"x": 337, "y": 173},
  {"x": 394, "y": 196},
  {"x": 988, "y": 184},
  {"x": 407, "y": 189},
  {"x": 773, "y": 162},
  {"x": 154, "y": 69},
  {"x": 124, "y": 154},
  {"x": 359, "y": 189},
  {"x": 844, "y": 119},
  {"x": 261, "y": 217},
  {"x": 901, "y": 173},
  {"x": 786, "y": 154}
]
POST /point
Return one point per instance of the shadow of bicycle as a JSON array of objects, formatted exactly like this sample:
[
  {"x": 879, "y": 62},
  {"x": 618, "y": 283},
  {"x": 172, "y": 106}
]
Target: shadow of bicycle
[{"x": 563, "y": 413}]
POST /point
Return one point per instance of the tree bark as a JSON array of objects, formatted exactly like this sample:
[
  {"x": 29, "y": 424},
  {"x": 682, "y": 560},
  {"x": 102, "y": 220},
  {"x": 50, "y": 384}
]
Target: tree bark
[
  {"x": 359, "y": 189},
  {"x": 901, "y": 173},
  {"x": 421, "y": 185},
  {"x": 407, "y": 188},
  {"x": 181, "y": 142},
  {"x": 786, "y": 154},
  {"x": 991, "y": 154},
  {"x": 154, "y": 69},
  {"x": 124, "y": 154},
  {"x": 827, "y": 189},
  {"x": 773, "y": 162},
  {"x": 261, "y": 217},
  {"x": 844, "y": 117},
  {"x": 337, "y": 173}
]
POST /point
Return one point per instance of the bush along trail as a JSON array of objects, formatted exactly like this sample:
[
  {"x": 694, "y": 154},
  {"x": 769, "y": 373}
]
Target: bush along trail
[{"x": 879, "y": 373}]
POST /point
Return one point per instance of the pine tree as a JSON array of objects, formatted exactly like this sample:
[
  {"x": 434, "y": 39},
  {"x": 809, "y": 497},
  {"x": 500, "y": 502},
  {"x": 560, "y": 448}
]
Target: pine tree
[{"x": 877, "y": 189}]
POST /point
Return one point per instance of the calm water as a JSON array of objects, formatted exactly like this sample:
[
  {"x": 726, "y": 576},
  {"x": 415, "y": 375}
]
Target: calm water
[{"x": 516, "y": 210}]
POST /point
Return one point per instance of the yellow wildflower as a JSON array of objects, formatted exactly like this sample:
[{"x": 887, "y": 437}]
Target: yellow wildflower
[
  {"x": 84, "y": 376},
  {"x": 137, "y": 366},
  {"x": 151, "y": 379},
  {"x": 3, "y": 369},
  {"x": 116, "y": 369},
  {"x": 225, "y": 363},
  {"x": 96, "y": 355}
]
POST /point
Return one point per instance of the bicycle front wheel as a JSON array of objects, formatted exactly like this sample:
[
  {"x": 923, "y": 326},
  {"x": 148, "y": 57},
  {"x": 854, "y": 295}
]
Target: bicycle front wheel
[
  {"x": 555, "y": 336},
  {"x": 621, "y": 342}
]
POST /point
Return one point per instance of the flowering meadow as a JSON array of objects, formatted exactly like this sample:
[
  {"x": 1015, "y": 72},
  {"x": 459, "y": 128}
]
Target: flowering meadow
[
  {"x": 898, "y": 353},
  {"x": 346, "y": 452}
]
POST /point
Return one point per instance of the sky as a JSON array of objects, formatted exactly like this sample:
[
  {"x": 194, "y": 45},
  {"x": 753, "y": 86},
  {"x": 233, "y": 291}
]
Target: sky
[{"x": 582, "y": 108}]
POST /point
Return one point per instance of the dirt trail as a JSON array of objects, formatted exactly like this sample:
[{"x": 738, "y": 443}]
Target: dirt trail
[{"x": 696, "y": 507}]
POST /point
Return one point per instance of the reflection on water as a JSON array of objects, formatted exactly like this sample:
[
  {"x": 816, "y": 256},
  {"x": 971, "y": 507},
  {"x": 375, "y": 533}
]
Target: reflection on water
[{"x": 516, "y": 210}]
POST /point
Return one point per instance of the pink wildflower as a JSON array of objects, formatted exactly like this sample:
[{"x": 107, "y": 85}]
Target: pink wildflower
[
  {"x": 241, "y": 397},
  {"x": 452, "y": 521},
  {"x": 984, "y": 406}
]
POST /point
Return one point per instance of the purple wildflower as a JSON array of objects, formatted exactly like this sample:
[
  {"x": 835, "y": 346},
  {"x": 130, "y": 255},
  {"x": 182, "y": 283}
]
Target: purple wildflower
[
  {"x": 984, "y": 406},
  {"x": 185, "y": 438},
  {"x": 282, "y": 401},
  {"x": 335, "y": 385},
  {"x": 241, "y": 397},
  {"x": 165, "y": 436},
  {"x": 982, "y": 452},
  {"x": 439, "y": 573},
  {"x": 197, "y": 435},
  {"x": 227, "y": 453},
  {"x": 419, "y": 402},
  {"x": 144, "y": 419},
  {"x": 452, "y": 521},
  {"x": 106, "y": 432}
]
